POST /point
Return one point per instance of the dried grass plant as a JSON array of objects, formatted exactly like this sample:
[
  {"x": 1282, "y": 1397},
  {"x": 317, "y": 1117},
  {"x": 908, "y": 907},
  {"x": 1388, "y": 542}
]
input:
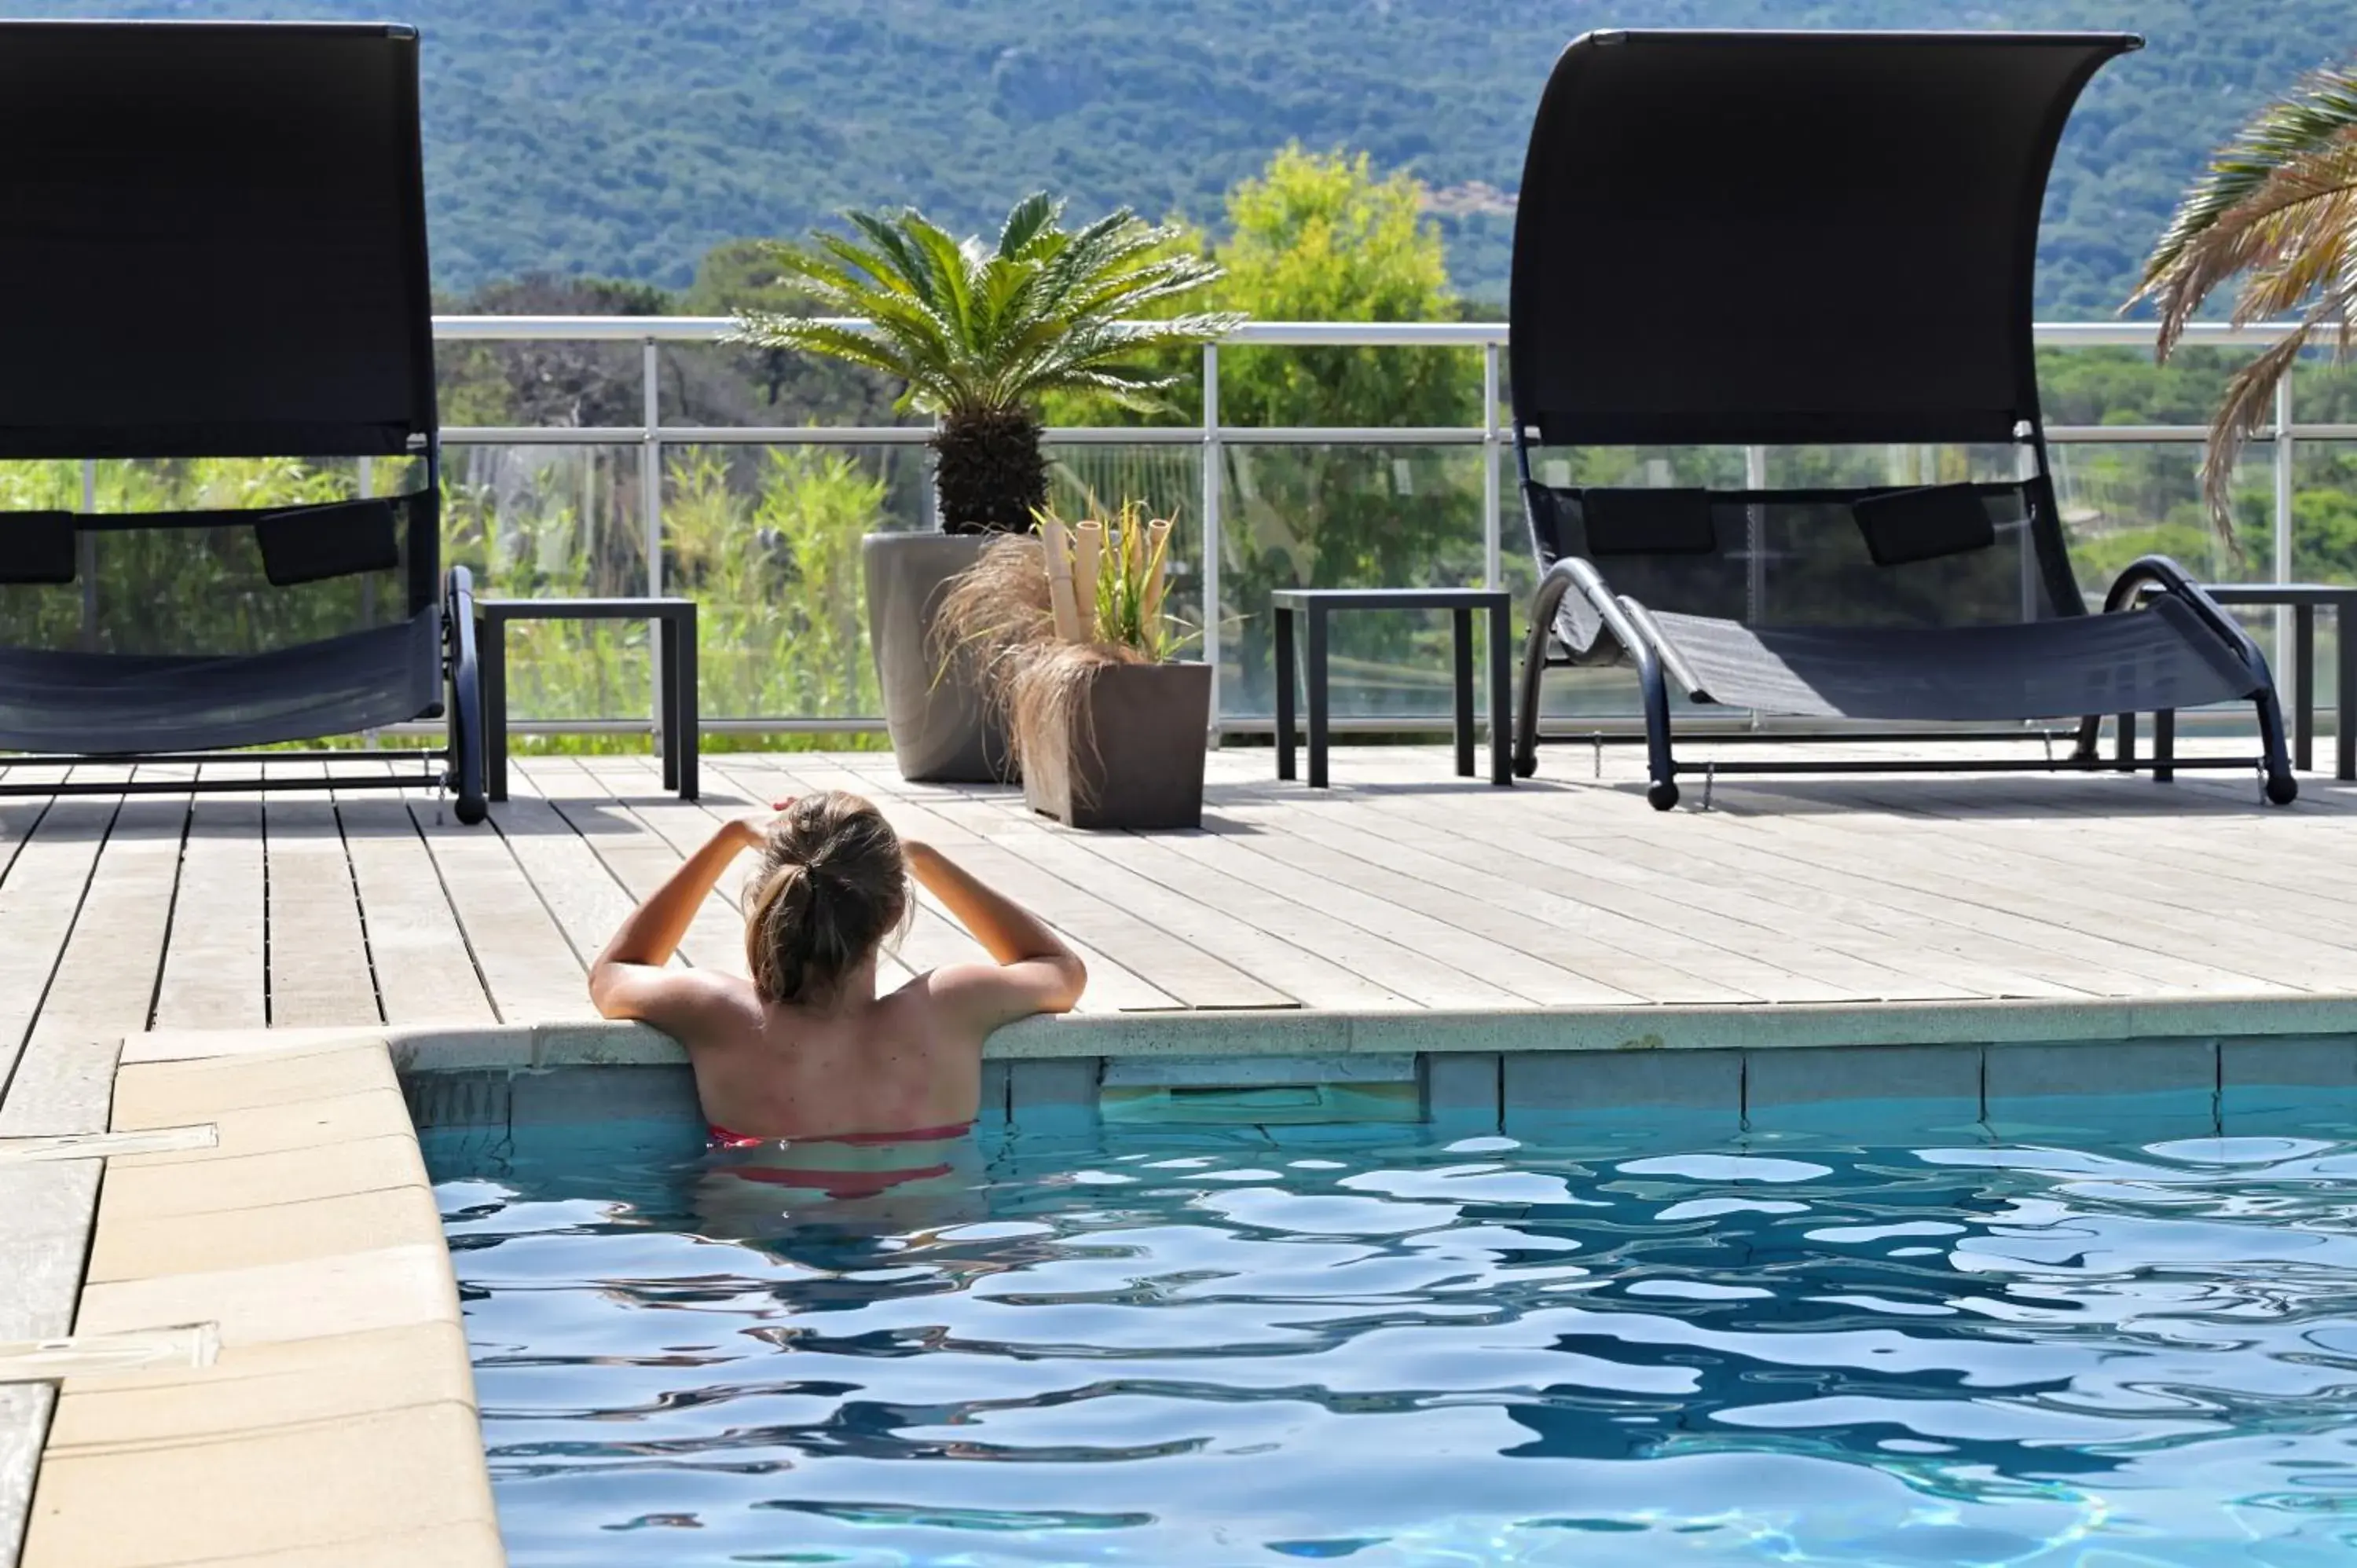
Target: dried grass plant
[{"x": 1042, "y": 616}]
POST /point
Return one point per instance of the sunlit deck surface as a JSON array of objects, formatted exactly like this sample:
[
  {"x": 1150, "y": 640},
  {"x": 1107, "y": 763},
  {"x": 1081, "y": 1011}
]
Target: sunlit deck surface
[{"x": 1402, "y": 888}]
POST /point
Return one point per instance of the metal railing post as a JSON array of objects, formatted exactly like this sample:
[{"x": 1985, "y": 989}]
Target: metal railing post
[
  {"x": 1492, "y": 556},
  {"x": 86, "y": 558},
  {"x": 2283, "y": 510},
  {"x": 1755, "y": 536},
  {"x": 1211, "y": 485},
  {"x": 651, "y": 509},
  {"x": 367, "y": 584}
]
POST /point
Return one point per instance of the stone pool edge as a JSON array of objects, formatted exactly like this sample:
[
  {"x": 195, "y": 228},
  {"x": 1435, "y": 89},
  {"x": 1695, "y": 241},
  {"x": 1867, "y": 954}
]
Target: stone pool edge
[
  {"x": 1755, "y": 1027},
  {"x": 336, "y": 1421}
]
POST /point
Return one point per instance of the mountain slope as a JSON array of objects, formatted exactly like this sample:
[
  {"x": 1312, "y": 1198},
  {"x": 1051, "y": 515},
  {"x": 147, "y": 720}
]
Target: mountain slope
[{"x": 624, "y": 137}]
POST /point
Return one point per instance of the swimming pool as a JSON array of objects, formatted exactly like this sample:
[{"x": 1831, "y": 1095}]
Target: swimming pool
[{"x": 1390, "y": 1346}]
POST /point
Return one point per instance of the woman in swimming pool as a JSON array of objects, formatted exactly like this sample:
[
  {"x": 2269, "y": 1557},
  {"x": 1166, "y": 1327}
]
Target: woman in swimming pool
[{"x": 806, "y": 1049}]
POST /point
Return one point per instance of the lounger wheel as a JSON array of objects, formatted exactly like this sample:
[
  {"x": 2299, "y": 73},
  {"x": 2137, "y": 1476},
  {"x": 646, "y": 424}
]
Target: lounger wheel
[
  {"x": 1526, "y": 764},
  {"x": 2282, "y": 789},
  {"x": 470, "y": 809},
  {"x": 1662, "y": 797}
]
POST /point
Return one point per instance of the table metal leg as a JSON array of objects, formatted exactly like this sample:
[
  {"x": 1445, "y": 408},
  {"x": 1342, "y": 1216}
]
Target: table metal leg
[
  {"x": 1284, "y": 673},
  {"x": 667, "y": 700},
  {"x": 492, "y": 668},
  {"x": 688, "y": 709},
  {"x": 1502, "y": 692},
  {"x": 1461, "y": 651},
  {"x": 2344, "y": 698},
  {"x": 2303, "y": 687},
  {"x": 1315, "y": 681}
]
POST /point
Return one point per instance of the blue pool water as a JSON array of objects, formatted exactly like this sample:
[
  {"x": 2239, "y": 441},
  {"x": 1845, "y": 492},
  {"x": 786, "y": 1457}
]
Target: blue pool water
[{"x": 1387, "y": 1347}]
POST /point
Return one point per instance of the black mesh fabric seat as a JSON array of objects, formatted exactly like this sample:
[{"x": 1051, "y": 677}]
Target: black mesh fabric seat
[
  {"x": 215, "y": 268},
  {"x": 1822, "y": 241}
]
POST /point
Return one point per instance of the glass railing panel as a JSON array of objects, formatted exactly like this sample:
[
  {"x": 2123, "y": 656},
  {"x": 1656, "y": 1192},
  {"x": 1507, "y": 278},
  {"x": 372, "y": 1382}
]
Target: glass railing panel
[
  {"x": 538, "y": 382},
  {"x": 766, "y": 539},
  {"x": 1334, "y": 517},
  {"x": 736, "y": 385},
  {"x": 550, "y": 521},
  {"x": 2120, "y": 500}
]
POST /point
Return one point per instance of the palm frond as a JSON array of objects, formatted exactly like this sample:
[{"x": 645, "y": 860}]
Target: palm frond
[
  {"x": 2277, "y": 208},
  {"x": 1030, "y": 216},
  {"x": 975, "y": 329},
  {"x": 2320, "y": 110},
  {"x": 2287, "y": 209},
  {"x": 2248, "y": 401}
]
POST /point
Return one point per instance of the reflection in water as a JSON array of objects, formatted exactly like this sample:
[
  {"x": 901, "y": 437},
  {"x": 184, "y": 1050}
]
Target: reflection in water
[{"x": 1166, "y": 1347}]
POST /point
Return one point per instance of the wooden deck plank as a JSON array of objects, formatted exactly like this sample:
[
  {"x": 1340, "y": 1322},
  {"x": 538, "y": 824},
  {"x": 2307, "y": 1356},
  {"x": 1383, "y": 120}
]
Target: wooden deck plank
[
  {"x": 528, "y": 967},
  {"x": 318, "y": 951},
  {"x": 39, "y": 897},
  {"x": 1578, "y": 935},
  {"x": 2108, "y": 917},
  {"x": 421, "y": 968},
  {"x": 215, "y": 974},
  {"x": 1259, "y": 934},
  {"x": 1658, "y": 927},
  {"x": 1906, "y": 832},
  {"x": 641, "y": 859},
  {"x": 1577, "y": 866},
  {"x": 106, "y": 974},
  {"x": 579, "y": 888}
]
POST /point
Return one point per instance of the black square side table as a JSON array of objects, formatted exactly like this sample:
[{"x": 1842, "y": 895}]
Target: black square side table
[
  {"x": 676, "y": 702},
  {"x": 2304, "y": 599},
  {"x": 1315, "y": 604}
]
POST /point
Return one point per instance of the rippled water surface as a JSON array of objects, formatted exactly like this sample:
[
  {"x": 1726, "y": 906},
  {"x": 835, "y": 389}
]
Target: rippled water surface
[{"x": 1229, "y": 1348}]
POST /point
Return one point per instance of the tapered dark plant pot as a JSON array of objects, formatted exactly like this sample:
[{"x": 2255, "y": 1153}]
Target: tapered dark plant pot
[
  {"x": 1130, "y": 753},
  {"x": 942, "y": 731}
]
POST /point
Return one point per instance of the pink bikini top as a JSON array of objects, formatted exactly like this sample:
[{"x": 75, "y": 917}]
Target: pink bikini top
[
  {"x": 722, "y": 1138},
  {"x": 836, "y": 1182}
]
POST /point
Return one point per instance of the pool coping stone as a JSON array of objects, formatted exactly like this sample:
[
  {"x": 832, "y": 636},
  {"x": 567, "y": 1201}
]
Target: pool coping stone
[
  {"x": 1758, "y": 1027},
  {"x": 336, "y": 1419}
]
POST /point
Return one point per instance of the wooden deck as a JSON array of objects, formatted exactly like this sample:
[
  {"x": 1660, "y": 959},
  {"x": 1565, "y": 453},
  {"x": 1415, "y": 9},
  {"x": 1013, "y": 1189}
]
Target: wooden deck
[{"x": 1403, "y": 888}]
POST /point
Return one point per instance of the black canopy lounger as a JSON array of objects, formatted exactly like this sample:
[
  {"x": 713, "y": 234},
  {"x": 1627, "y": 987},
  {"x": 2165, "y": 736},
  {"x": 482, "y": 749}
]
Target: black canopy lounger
[
  {"x": 1810, "y": 240},
  {"x": 215, "y": 249}
]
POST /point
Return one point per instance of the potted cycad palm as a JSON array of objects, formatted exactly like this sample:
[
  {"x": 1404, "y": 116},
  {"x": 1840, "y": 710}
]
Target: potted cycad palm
[
  {"x": 979, "y": 334},
  {"x": 1076, "y": 649},
  {"x": 2278, "y": 207}
]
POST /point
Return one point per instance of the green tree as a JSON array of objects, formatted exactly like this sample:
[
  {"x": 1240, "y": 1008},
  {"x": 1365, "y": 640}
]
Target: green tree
[{"x": 1326, "y": 237}]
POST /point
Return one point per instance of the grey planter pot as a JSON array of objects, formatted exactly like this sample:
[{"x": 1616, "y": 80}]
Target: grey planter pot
[
  {"x": 942, "y": 732},
  {"x": 1134, "y": 759}
]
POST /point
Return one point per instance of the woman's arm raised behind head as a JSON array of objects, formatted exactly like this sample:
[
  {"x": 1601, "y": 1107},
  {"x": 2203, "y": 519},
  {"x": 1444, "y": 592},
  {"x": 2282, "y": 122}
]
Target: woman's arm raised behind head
[
  {"x": 1036, "y": 973},
  {"x": 628, "y": 980}
]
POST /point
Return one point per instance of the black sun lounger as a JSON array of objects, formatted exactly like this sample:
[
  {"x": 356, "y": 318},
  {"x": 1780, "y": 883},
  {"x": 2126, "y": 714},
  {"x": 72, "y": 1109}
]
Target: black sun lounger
[
  {"x": 1731, "y": 239},
  {"x": 215, "y": 250}
]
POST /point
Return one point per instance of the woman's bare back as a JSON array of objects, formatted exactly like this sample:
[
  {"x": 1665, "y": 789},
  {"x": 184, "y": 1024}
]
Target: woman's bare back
[
  {"x": 808, "y": 1050},
  {"x": 894, "y": 1064}
]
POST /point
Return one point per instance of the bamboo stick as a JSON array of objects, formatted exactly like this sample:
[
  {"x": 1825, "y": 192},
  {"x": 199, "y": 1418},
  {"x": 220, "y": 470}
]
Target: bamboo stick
[
  {"x": 1157, "y": 551},
  {"x": 1060, "y": 601},
  {"x": 1087, "y": 559}
]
